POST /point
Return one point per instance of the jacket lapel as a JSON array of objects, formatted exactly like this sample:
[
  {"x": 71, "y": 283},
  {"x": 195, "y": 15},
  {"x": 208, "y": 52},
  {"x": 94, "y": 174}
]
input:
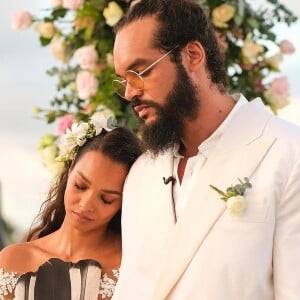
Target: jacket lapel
[{"x": 228, "y": 162}]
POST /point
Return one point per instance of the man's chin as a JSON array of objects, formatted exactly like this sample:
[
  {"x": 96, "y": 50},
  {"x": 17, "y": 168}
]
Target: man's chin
[{"x": 147, "y": 122}]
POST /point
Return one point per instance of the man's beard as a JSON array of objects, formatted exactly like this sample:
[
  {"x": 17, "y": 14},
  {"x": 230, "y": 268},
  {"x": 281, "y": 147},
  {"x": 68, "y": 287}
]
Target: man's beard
[{"x": 168, "y": 129}]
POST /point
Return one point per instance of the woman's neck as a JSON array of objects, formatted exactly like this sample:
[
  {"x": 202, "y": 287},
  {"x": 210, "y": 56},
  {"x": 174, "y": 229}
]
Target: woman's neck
[{"x": 72, "y": 245}]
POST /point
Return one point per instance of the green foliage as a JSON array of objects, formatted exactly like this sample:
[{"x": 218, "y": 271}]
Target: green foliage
[{"x": 245, "y": 35}]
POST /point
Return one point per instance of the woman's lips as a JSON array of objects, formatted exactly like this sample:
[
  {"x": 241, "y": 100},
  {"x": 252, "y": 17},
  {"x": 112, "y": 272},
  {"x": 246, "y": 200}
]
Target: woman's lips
[{"x": 81, "y": 217}]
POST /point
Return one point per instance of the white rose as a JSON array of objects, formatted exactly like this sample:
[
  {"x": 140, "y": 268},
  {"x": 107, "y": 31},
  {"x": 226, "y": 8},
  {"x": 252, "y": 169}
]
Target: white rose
[
  {"x": 72, "y": 4},
  {"x": 45, "y": 29},
  {"x": 21, "y": 20},
  {"x": 236, "y": 205},
  {"x": 112, "y": 13},
  {"x": 99, "y": 120},
  {"x": 86, "y": 57},
  {"x": 58, "y": 49},
  {"x": 86, "y": 84}
]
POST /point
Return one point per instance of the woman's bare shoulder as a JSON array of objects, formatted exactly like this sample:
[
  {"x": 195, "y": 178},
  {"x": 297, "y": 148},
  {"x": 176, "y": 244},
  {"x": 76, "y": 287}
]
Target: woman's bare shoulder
[{"x": 18, "y": 257}]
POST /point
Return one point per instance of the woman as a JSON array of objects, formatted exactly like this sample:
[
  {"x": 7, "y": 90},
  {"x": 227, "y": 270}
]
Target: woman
[{"x": 75, "y": 250}]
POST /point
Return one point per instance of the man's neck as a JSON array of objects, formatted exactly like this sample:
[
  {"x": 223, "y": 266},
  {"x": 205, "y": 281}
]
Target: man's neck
[{"x": 210, "y": 117}]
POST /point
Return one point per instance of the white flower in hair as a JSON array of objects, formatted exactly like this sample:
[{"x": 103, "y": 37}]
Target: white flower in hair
[
  {"x": 78, "y": 135},
  {"x": 100, "y": 122},
  {"x": 80, "y": 132}
]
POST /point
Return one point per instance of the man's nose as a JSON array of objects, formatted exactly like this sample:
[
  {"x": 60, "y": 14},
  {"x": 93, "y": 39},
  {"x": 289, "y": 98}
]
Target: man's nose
[{"x": 132, "y": 92}]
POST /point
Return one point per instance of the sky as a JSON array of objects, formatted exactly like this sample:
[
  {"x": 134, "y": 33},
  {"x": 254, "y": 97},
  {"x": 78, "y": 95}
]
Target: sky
[{"x": 25, "y": 85}]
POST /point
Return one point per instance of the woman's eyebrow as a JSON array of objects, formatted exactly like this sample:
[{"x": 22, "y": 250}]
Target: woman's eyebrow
[{"x": 83, "y": 177}]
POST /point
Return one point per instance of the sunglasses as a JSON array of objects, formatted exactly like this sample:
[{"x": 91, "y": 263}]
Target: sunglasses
[{"x": 135, "y": 79}]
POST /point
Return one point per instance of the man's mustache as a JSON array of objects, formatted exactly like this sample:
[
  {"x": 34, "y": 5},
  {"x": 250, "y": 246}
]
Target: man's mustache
[{"x": 137, "y": 102}]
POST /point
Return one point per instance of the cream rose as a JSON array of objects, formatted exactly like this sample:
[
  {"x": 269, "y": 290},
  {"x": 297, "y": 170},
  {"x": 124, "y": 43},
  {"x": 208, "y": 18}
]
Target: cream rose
[
  {"x": 110, "y": 59},
  {"x": 251, "y": 50},
  {"x": 58, "y": 49},
  {"x": 112, "y": 13},
  {"x": 222, "y": 14},
  {"x": 21, "y": 20},
  {"x": 45, "y": 29},
  {"x": 86, "y": 85},
  {"x": 236, "y": 205},
  {"x": 274, "y": 61},
  {"x": 48, "y": 157}
]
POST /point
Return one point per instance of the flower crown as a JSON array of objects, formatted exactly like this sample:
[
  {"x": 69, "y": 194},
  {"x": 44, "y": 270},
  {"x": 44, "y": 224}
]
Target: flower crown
[{"x": 79, "y": 133}]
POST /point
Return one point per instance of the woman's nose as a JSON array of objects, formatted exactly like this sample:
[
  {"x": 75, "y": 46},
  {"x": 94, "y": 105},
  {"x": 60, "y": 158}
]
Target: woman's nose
[{"x": 87, "y": 202}]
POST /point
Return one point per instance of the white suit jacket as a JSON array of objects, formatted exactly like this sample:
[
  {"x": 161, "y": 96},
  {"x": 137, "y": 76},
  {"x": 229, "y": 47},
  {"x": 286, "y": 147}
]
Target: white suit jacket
[{"x": 208, "y": 254}]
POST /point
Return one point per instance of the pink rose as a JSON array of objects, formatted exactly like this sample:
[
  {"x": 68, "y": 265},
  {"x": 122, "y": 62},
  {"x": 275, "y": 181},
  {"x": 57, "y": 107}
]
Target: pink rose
[
  {"x": 21, "y": 20},
  {"x": 280, "y": 87},
  {"x": 286, "y": 47},
  {"x": 86, "y": 57},
  {"x": 278, "y": 92},
  {"x": 72, "y": 4},
  {"x": 56, "y": 3},
  {"x": 88, "y": 108},
  {"x": 63, "y": 123},
  {"x": 86, "y": 84}
]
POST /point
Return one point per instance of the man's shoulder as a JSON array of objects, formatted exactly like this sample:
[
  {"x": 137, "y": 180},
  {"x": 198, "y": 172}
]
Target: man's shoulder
[
  {"x": 283, "y": 129},
  {"x": 149, "y": 159}
]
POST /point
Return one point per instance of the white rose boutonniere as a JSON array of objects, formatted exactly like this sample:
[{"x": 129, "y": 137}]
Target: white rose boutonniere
[{"x": 234, "y": 197}]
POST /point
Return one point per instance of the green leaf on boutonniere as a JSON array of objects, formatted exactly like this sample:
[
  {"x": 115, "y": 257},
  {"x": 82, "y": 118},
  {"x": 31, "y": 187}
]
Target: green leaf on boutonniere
[{"x": 236, "y": 190}]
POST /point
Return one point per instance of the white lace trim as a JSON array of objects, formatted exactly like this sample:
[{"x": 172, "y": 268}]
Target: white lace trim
[
  {"x": 8, "y": 281},
  {"x": 107, "y": 285}
]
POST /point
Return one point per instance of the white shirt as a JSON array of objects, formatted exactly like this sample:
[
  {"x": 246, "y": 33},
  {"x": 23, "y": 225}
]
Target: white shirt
[{"x": 199, "y": 160}]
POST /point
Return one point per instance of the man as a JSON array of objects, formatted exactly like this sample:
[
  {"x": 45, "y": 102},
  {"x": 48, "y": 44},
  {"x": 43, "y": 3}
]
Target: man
[{"x": 185, "y": 236}]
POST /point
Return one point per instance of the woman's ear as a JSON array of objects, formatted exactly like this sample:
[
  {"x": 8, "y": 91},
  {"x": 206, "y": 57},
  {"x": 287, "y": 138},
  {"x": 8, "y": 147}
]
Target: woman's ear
[{"x": 195, "y": 55}]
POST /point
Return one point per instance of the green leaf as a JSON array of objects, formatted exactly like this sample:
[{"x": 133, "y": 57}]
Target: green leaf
[
  {"x": 59, "y": 12},
  {"x": 44, "y": 41},
  {"x": 253, "y": 22}
]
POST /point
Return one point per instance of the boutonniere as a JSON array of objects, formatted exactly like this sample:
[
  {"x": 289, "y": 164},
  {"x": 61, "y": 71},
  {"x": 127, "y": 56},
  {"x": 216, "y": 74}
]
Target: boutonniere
[{"x": 234, "y": 196}]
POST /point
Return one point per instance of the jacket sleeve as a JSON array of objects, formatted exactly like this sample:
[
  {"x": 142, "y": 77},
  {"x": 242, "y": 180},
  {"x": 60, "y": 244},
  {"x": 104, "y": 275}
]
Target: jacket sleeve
[{"x": 286, "y": 254}]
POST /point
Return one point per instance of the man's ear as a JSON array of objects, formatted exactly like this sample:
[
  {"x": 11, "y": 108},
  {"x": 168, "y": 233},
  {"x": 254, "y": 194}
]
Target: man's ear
[{"x": 195, "y": 55}]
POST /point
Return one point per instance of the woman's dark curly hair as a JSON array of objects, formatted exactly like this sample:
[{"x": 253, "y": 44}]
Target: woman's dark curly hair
[
  {"x": 120, "y": 145},
  {"x": 181, "y": 22}
]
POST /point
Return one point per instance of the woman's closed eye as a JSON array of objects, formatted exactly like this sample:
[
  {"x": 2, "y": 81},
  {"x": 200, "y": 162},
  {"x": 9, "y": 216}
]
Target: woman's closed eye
[
  {"x": 106, "y": 201},
  {"x": 109, "y": 199},
  {"x": 80, "y": 187}
]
